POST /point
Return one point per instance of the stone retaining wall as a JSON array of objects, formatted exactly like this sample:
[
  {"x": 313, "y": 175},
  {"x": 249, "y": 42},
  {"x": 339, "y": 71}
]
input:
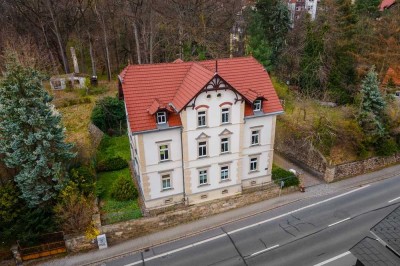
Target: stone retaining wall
[
  {"x": 340, "y": 171},
  {"x": 305, "y": 155},
  {"x": 147, "y": 225},
  {"x": 96, "y": 135},
  {"x": 302, "y": 152}
]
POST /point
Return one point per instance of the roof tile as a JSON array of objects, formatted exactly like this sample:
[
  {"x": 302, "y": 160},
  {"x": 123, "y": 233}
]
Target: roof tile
[{"x": 149, "y": 87}]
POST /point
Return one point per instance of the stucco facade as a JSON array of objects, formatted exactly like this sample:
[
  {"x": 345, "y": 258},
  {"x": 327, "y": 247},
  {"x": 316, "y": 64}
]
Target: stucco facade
[
  {"x": 184, "y": 162},
  {"x": 195, "y": 136}
]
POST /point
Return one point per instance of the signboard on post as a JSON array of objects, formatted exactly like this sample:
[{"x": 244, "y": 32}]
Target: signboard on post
[{"x": 102, "y": 241}]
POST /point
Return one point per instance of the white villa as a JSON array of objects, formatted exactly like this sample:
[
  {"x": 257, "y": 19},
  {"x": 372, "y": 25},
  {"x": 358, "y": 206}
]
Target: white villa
[{"x": 199, "y": 130}]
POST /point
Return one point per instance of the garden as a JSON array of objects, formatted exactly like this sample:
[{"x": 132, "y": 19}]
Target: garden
[{"x": 114, "y": 186}]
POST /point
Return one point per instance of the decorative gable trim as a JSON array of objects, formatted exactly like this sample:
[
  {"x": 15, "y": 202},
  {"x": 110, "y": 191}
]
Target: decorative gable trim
[
  {"x": 225, "y": 132},
  {"x": 202, "y": 136},
  {"x": 202, "y": 106},
  {"x": 225, "y": 103}
]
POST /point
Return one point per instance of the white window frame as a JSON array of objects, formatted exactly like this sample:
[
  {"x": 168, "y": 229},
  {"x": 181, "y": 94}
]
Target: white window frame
[
  {"x": 224, "y": 144},
  {"x": 225, "y": 113},
  {"x": 160, "y": 150},
  {"x": 224, "y": 172},
  {"x": 165, "y": 177},
  {"x": 201, "y": 115},
  {"x": 202, "y": 146},
  {"x": 255, "y": 136},
  {"x": 253, "y": 164},
  {"x": 161, "y": 117},
  {"x": 203, "y": 175},
  {"x": 257, "y": 105}
]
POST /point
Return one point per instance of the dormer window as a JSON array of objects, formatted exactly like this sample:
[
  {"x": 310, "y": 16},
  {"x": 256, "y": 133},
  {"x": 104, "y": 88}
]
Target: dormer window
[
  {"x": 161, "y": 117},
  {"x": 257, "y": 105}
]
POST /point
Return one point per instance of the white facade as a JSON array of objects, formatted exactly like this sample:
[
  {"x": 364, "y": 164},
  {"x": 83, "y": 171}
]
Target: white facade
[{"x": 215, "y": 153}]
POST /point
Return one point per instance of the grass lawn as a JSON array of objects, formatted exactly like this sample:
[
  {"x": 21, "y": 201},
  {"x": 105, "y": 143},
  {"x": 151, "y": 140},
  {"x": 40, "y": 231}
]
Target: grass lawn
[
  {"x": 114, "y": 146},
  {"x": 113, "y": 211}
]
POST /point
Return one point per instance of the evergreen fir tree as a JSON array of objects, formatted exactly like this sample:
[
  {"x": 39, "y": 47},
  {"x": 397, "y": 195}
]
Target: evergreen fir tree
[
  {"x": 372, "y": 105},
  {"x": 31, "y": 136}
]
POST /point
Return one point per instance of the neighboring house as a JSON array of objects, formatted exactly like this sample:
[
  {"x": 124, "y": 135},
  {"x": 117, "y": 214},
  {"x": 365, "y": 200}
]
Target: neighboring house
[
  {"x": 199, "y": 130},
  {"x": 391, "y": 81},
  {"x": 385, "y": 4},
  {"x": 61, "y": 82},
  {"x": 298, "y": 7},
  {"x": 384, "y": 248}
]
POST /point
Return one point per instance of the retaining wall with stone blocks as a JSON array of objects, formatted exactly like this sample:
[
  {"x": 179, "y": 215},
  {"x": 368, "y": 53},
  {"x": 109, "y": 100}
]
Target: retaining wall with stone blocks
[
  {"x": 303, "y": 153},
  {"x": 135, "y": 228}
]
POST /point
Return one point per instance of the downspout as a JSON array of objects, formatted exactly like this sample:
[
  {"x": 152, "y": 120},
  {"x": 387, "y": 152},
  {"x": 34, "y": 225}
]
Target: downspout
[{"x": 183, "y": 171}]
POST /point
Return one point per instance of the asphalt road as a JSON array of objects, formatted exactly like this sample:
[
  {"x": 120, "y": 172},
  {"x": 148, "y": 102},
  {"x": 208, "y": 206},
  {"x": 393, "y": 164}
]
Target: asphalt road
[{"x": 303, "y": 233}]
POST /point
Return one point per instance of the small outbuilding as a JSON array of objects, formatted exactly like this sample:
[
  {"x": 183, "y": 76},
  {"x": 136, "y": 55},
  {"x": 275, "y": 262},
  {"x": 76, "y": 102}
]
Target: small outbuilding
[{"x": 72, "y": 80}]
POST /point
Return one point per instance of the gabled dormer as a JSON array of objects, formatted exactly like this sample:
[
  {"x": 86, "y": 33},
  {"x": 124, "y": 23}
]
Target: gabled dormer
[{"x": 160, "y": 113}]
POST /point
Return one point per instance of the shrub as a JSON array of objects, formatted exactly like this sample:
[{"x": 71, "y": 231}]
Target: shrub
[
  {"x": 74, "y": 210},
  {"x": 112, "y": 164},
  {"x": 289, "y": 178},
  {"x": 386, "y": 147},
  {"x": 84, "y": 178},
  {"x": 123, "y": 189},
  {"x": 100, "y": 190},
  {"x": 109, "y": 115}
]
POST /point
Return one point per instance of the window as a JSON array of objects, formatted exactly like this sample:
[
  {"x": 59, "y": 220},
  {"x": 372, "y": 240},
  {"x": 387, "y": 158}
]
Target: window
[
  {"x": 203, "y": 177},
  {"x": 161, "y": 117},
  {"x": 166, "y": 182},
  {"x": 225, "y": 115},
  {"x": 257, "y": 105},
  {"x": 255, "y": 137},
  {"x": 164, "y": 152},
  {"x": 224, "y": 145},
  {"x": 202, "y": 148},
  {"x": 253, "y": 164},
  {"x": 201, "y": 119},
  {"x": 224, "y": 172}
]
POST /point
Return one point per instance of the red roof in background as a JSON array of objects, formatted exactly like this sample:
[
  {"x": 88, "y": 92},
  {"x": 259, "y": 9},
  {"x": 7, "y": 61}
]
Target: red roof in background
[
  {"x": 386, "y": 4},
  {"x": 394, "y": 74},
  {"x": 149, "y": 87}
]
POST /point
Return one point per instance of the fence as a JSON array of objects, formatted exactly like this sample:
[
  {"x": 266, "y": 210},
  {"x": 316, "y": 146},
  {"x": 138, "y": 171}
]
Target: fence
[{"x": 50, "y": 244}]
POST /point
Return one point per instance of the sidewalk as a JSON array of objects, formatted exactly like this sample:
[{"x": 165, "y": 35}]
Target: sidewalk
[{"x": 130, "y": 246}]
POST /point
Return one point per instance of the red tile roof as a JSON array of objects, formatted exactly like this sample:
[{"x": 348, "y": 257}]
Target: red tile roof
[
  {"x": 386, "y": 4},
  {"x": 147, "y": 88},
  {"x": 394, "y": 74}
]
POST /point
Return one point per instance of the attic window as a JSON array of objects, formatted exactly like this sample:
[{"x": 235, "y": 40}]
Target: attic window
[
  {"x": 209, "y": 96},
  {"x": 219, "y": 95},
  {"x": 161, "y": 117},
  {"x": 257, "y": 105}
]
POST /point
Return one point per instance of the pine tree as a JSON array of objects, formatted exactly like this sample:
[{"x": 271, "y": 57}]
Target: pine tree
[
  {"x": 372, "y": 105},
  {"x": 31, "y": 137}
]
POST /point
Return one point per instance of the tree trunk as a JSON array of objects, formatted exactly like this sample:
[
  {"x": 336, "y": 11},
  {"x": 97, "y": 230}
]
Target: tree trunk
[
  {"x": 57, "y": 33},
  {"x": 92, "y": 56},
  {"x": 151, "y": 34},
  {"x": 135, "y": 31},
  {"x": 105, "y": 39}
]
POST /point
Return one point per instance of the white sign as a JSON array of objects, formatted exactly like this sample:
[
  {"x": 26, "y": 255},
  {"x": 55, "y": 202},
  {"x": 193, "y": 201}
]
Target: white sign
[{"x": 102, "y": 241}]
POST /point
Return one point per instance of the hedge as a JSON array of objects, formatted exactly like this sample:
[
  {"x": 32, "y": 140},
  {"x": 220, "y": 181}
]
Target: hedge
[{"x": 111, "y": 164}]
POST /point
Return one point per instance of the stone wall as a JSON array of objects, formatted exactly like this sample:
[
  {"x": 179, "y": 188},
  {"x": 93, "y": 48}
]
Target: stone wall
[
  {"x": 96, "y": 135},
  {"x": 305, "y": 155},
  {"x": 302, "y": 152},
  {"x": 360, "y": 167},
  {"x": 147, "y": 225}
]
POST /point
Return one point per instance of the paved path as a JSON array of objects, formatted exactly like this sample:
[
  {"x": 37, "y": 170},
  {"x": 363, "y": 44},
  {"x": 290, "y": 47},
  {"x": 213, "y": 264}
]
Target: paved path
[
  {"x": 309, "y": 179},
  {"x": 184, "y": 230}
]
